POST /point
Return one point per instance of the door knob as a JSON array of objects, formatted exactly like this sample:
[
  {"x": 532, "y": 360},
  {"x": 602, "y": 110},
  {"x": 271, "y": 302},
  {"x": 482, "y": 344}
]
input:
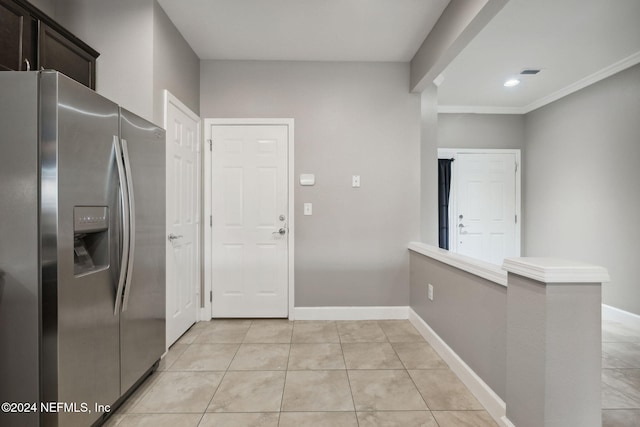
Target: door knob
[
  {"x": 173, "y": 237},
  {"x": 281, "y": 232}
]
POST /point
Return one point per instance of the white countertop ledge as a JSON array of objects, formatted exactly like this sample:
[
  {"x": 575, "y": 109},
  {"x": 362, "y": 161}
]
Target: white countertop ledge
[
  {"x": 491, "y": 272},
  {"x": 554, "y": 270}
]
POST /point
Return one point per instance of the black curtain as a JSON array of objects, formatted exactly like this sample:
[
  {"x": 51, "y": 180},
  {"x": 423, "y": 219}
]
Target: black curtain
[{"x": 444, "y": 187}]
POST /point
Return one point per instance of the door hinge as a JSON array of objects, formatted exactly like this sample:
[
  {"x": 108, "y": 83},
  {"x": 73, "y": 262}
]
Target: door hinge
[
  {"x": 516, "y": 218},
  {"x": 210, "y": 296},
  {"x": 210, "y": 145},
  {"x": 516, "y": 166},
  {"x": 210, "y": 220}
]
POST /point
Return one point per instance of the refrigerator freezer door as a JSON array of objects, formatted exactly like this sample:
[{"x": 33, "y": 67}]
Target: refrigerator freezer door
[
  {"x": 142, "y": 320},
  {"x": 19, "y": 274},
  {"x": 80, "y": 345}
]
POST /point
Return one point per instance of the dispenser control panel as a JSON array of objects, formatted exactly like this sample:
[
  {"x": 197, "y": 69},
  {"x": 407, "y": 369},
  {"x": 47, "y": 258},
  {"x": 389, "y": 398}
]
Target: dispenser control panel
[
  {"x": 90, "y": 239},
  {"x": 90, "y": 218}
]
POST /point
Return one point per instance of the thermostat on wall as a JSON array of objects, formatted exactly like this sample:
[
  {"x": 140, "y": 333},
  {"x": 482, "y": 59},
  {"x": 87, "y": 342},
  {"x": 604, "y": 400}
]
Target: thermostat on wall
[{"x": 307, "y": 179}]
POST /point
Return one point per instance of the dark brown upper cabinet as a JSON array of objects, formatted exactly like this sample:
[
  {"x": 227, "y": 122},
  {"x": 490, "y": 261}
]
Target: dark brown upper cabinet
[
  {"x": 17, "y": 38},
  {"x": 30, "y": 40},
  {"x": 57, "y": 52}
]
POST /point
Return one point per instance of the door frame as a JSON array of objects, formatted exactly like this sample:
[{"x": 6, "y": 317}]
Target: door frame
[
  {"x": 207, "y": 208},
  {"x": 452, "y": 153},
  {"x": 169, "y": 98}
]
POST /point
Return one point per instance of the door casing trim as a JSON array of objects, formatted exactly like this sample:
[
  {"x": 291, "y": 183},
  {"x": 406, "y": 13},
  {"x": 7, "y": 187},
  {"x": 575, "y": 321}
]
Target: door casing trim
[{"x": 206, "y": 313}]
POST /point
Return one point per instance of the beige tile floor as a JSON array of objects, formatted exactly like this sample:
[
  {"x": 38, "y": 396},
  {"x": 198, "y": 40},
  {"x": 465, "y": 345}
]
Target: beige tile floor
[
  {"x": 245, "y": 373},
  {"x": 620, "y": 375}
]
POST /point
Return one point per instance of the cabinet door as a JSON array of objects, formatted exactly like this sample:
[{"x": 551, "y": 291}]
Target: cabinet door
[
  {"x": 17, "y": 38},
  {"x": 56, "y": 52}
]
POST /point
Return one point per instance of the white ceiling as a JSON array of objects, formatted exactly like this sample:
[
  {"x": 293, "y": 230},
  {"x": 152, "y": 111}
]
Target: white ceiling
[
  {"x": 574, "y": 42},
  {"x": 305, "y": 30}
]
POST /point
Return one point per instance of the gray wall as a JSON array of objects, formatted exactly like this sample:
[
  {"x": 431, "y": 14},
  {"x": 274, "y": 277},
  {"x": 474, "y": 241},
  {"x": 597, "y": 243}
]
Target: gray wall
[
  {"x": 141, "y": 53},
  {"x": 122, "y": 31},
  {"x": 469, "y": 313},
  {"x": 176, "y": 67},
  {"x": 47, "y": 6},
  {"x": 581, "y": 174},
  {"x": 495, "y": 131},
  {"x": 350, "y": 119}
]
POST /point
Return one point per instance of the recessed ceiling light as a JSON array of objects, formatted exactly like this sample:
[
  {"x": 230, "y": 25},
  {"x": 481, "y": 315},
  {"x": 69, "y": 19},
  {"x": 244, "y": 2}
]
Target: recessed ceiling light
[{"x": 512, "y": 82}]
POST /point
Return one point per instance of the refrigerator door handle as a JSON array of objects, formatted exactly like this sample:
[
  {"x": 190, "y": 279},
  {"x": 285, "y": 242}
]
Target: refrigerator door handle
[
  {"x": 132, "y": 225},
  {"x": 124, "y": 198}
]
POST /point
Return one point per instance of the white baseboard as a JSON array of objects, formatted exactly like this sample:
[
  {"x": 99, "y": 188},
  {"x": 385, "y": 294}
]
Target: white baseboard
[
  {"x": 615, "y": 314},
  {"x": 351, "y": 313},
  {"x": 494, "y": 405},
  {"x": 505, "y": 422}
]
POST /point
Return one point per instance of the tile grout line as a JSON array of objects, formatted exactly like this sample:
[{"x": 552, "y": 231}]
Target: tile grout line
[
  {"x": 223, "y": 377},
  {"x": 346, "y": 370},
  {"x": 122, "y": 416},
  {"x": 159, "y": 373},
  {"x": 174, "y": 362},
  {"x": 324, "y": 340},
  {"x": 411, "y": 378},
  {"x": 286, "y": 372}
]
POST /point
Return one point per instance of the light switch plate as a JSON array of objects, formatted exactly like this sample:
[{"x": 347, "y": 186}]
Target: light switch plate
[
  {"x": 307, "y": 179},
  {"x": 308, "y": 209},
  {"x": 355, "y": 181}
]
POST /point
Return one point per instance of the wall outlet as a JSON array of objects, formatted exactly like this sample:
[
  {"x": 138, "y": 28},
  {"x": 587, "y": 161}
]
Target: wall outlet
[{"x": 430, "y": 292}]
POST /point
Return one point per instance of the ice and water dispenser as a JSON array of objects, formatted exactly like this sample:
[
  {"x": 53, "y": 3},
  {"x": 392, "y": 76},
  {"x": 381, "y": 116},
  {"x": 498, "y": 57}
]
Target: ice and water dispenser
[{"x": 90, "y": 239}]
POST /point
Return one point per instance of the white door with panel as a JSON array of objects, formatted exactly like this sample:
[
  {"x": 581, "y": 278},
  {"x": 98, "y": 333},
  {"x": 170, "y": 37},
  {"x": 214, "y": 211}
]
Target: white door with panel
[
  {"x": 485, "y": 214},
  {"x": 249, "y": 204},
  {"x": 183, "y": 217}
]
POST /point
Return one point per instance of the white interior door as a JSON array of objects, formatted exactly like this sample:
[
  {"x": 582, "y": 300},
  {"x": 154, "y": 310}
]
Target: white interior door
[
  {"x": 485, "y": 209},
  {"x": 183, "y": 217},
  {"x": 249, "y": 203}
]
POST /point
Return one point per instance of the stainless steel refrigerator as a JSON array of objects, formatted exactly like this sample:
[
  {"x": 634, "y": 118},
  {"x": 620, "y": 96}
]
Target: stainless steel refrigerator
[{"x": 82, "y": 250}]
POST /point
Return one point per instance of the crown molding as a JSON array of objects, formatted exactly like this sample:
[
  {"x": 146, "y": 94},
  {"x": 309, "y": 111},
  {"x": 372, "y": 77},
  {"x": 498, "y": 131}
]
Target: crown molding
[
  {"x": 476, "y": 109},
  {"x": 612, "y": 69}
]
